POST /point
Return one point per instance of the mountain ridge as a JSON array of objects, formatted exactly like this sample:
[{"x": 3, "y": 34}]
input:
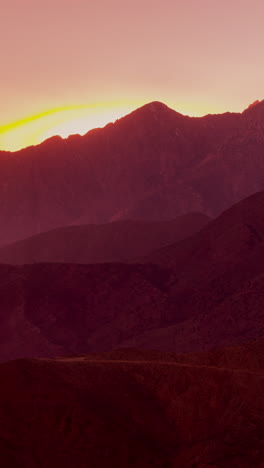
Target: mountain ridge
[
  {"x": 150, "y": 165},
  {"x": 118, "y": 241},
  {"x": 201, "y": 292},
  {"x": 153, "y": 106}
]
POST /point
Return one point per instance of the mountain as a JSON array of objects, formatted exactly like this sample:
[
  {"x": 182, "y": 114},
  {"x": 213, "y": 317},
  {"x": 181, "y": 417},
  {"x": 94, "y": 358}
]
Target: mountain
[
  {"x": 219, "y": 285},
  {"x": 154, "y": 164},
  {"x": 201, "y": 292},
  {"x": 59, "y": 309},
  {"x": 118, "y": 241},
  {"x": 131, "y": 408}
]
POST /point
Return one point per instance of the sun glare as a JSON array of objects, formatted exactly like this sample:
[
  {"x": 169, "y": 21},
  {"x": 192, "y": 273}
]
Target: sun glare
[{"x": 62, "y": 121}]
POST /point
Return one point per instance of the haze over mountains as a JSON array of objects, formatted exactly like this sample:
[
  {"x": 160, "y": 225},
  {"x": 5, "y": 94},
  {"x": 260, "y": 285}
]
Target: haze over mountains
[
  {"x": 119, "y": 241},
  {"x": 153, "y": 164}
]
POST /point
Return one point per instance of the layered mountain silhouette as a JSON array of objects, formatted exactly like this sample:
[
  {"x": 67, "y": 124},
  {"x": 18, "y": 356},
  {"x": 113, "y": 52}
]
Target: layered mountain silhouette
[
  {"x": 204, "y": 291},
  {"x": 133, "y": 322},
  {"x": 154, "y": 164},
  {"x": 130, "y": 408},
  {"x": 118, "y": 241}
]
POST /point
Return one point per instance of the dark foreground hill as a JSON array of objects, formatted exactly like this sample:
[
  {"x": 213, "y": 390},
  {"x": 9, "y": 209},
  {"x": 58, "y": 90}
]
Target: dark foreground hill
[
  {"x": 131, "y": 409},
  {"x": 118, "y": 241},
  {"x": 153, "y": 164}
]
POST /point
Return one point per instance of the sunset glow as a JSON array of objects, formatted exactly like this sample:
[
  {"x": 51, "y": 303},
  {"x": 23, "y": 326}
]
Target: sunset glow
[
  {"x": 71, "y": 66},
  {"x": 62, "y": 121}
]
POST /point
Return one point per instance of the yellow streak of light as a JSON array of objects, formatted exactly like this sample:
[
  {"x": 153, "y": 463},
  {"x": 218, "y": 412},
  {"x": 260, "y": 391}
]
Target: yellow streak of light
[{"x": 62, "y": 121}]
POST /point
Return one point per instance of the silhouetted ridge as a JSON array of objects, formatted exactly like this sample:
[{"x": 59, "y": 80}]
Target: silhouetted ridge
[{"x": 118, "y": 241}]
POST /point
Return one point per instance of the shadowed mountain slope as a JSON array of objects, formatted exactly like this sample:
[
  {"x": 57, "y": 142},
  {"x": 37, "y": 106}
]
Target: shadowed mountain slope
[
  {"x": 56, "y": 309},
  {"x": 220, "y": 280}
]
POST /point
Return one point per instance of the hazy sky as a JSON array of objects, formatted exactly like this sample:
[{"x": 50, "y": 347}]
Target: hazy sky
[{"x": 198, "y": 56}]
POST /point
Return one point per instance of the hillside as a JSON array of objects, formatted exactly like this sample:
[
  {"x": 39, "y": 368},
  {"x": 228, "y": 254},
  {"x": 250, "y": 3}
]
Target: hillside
[
  {"x": 58, "y": 309},
  {"x": 118, "y": 241},
  {"x": 219, "y": 283},
  {"x": 103, "y": 411}
]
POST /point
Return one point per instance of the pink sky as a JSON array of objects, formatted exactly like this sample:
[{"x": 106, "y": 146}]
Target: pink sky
[{"x": 198, "y": 56}]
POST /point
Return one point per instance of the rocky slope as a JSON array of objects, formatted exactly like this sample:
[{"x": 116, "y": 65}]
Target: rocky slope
[
  {"x": 56, "y": 309},
  {"x": 220, "y": 280}
]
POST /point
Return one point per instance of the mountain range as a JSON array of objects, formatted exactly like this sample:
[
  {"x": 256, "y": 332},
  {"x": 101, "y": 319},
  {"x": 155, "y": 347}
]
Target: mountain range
[
  {"x": 200, "y": 292},
  {"x": 131, "y": 295},
  {"x": 154, "y": 164}
]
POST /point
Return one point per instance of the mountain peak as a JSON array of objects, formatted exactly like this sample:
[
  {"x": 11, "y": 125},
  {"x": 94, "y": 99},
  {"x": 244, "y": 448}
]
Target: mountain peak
[
  {"x": 157, "y": 105},
  {"x": 154, "y": 110},
  {"x": 254, "y": 105}
]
